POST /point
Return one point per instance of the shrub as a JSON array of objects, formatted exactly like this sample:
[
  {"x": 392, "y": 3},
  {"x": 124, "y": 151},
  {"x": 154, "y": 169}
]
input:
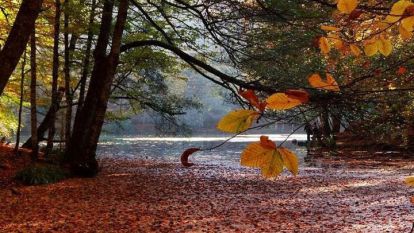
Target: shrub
[{"x": 41, "y": 174}]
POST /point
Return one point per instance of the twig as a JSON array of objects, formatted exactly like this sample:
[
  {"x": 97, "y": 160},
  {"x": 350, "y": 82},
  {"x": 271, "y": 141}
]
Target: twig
[{"x": 294, "y": 131}]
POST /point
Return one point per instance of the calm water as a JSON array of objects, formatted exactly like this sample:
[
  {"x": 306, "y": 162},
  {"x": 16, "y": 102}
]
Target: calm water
[{"x": 169, "y": 149}]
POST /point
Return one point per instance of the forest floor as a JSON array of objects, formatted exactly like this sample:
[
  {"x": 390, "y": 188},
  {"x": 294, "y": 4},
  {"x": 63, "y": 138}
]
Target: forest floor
[{"x": 145, "y": 196}]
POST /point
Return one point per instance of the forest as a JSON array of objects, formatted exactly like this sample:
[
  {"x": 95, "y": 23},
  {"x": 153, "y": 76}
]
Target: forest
[{"x": 206, "y": 116}]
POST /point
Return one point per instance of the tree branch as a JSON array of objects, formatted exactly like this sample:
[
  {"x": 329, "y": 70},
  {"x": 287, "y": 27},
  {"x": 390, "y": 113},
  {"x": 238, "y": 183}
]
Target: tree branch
[{"x": 194, "y": 61}]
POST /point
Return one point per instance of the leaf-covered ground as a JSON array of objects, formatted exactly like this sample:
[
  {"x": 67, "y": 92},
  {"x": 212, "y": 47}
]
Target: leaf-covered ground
[{"x": 143, "y": 196}]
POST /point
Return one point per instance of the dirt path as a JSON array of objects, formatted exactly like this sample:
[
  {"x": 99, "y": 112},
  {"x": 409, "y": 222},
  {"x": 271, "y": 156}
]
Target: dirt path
[{"x": 142, "y": 196}]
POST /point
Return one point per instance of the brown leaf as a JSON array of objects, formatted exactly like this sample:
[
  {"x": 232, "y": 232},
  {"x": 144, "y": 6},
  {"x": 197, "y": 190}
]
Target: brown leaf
[{"x": 186, "y": 154}]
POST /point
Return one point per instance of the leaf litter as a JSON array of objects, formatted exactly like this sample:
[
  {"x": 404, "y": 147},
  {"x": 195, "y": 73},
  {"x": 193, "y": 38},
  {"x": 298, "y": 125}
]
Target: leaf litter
[{"x": 153, "y": 196}]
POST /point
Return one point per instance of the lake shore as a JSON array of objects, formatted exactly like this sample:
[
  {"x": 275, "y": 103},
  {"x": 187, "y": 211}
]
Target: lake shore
[{"x": 150, "y": 196}]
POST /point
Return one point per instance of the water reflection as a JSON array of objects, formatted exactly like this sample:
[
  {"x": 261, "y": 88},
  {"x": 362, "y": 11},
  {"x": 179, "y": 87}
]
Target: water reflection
[{"x": 169, "y": 149}]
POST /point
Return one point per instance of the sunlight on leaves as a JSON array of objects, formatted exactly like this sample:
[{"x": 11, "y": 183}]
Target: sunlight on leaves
[
  {"x": 371, "y": 48},
  {"x": 324, "y": 45},
  {"x": 347, "y": 6},
  {"x": 405, "y": 35},
  {"x": 397, "y": 11},
  {"x": 408, "y": 23},
  {"x": 281, "y": 101},
  {"x": 355, "y": 50},
  {"x": 237, "y": 121},
  {"x": 330, "y": 84},
  {"x": 330, "y": 28},
  {"x": 268, "y": 158},
  {"x": 384, "y": 47},
  {"x": 290, "y": 160}
]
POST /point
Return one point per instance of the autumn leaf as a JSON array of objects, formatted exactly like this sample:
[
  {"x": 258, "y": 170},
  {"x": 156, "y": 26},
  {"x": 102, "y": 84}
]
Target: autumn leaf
[
  {"x": 330, "y": 84},
  {"x": 397, "y": 10},
  {"x": 290, "y": 160},
  {"x": 274, "y": 166},
  {"x": 408, "y": 23},
  {"x": 281, "y": 101},
  {"x": 371, "y": 48},
  {"x": 267, "y": 143},
  {"x": 384, "y": 46},
  {"x": 405, "y": 35},
  {"x": 250, "y": 96},
  {"x": 347, "y": 6},
  {"x": 336, "y": 40},
  {"x": 329, "y": 28},
  {"x": 186, "y": 154},
  {"x": 256, "y": 155},
  {"x": 409, "y": 181},
  {"x": 401, "y": 70},
  {"x": 300, "y": 95},
  {"x": 268, "y": 158},
  {"x": 237, "y": 121},
  {"x": 355, "y": 50},
  {"x": 324, "y": 45}
]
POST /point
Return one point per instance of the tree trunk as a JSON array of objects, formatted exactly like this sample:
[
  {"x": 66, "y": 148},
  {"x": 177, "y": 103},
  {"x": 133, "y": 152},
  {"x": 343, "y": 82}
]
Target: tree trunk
[
  {"x": 17, "y": 40},
  {"x": 19, "y": 123},
  {"x": 326, "y": 128},
  {"x": 47, "y": 121},
  {"x": 87, "y": 127},
  {"x": 86, "y": 60},
  {"x": 33, "y": 110},
  {"x": 336, "y": 124},
  {"x": 66, "y": 71},
  {"x": 55, "y": 77},
  {"x": 410, "y": 137}
]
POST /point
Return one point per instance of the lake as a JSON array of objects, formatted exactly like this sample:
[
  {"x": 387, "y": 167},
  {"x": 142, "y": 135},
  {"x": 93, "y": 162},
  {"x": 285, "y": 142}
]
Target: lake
[{"x": 169, "y": 149}]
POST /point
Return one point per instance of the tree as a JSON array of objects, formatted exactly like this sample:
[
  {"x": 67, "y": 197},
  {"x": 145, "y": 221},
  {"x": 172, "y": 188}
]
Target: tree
[
  {"x": 55, "y": 76},
  {"x": 88, "y": 126},
  {"x": 17, "y": 40},
  {"x": 19, "y": 124},
  {"x": 33, "y": 104}
]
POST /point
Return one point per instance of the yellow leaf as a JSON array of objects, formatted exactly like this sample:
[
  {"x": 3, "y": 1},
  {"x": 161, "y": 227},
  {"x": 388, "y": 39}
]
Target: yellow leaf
[
  {"x": 268, "y": 158},
  {"x": 330, "y": 84},
  {"x": 324, "y": 45},
  {"x": 371, "y": 48},
  {"x": 290, "y": 160},
  {"x": 408, "y": 23},
  {"x": 281, "y": 101},
  {"x": 347, "y": 6},
  {"x": 355, "y": 50},
  {"x": 382, "y": 26},
  {"x": 329, "y": 28},
  {"x": 255, "y": 155},
  {"x": 405, "y": 35},
  {"x": 336, "y": 40},
  {"x": 384, "y": 47},
  {"x": 397, "y": 11},
  {"x": 274, "y": 166},
  {"x": 237, "y": 121},
  {"x": 409, "y": 181}
]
